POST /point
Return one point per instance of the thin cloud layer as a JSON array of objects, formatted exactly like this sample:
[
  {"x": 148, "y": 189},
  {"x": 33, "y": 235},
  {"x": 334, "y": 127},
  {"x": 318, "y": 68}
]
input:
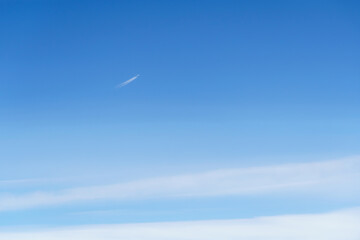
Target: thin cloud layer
[
  {"x": 340, "y": 225},
  {"x": 128, "y": 81},
  {"x": 332, "y": 178}
]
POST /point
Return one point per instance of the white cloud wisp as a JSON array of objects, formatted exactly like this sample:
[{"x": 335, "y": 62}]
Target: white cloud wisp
[{"x": 331, "y": 178}]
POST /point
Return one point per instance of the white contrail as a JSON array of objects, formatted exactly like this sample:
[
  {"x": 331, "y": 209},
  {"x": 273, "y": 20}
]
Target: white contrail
[{"x": 128, "y": 81}]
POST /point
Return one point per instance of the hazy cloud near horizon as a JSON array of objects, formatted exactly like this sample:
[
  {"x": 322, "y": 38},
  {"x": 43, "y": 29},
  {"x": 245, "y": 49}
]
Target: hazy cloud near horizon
[{"x": 337, "y": 225}]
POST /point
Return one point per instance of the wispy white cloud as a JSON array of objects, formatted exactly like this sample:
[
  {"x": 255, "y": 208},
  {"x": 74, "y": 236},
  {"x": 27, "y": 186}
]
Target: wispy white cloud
[
  {"x": 127, "y": 81},
  {"x": 30, "y": 183},
  {"x": 10, "y": 182},
  {"x": 339, "y": 225},
  {"x": 336, "y": 178}
]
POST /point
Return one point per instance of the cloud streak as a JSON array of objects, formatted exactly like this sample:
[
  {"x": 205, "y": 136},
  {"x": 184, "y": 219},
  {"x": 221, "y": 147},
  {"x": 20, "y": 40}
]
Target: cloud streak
[
  {"x": 339, "y": 225},
  {"x": 331, "y": 178},
  {"x": 128, "y": 81}
]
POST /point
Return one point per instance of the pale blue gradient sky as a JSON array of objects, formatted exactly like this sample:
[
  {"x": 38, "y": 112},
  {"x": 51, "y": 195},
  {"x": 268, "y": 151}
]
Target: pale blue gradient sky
[{"x": 223, "y": 84}]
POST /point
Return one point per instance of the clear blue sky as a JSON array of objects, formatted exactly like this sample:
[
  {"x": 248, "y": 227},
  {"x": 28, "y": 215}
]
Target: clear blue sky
[{"x": 222, "y": 85}]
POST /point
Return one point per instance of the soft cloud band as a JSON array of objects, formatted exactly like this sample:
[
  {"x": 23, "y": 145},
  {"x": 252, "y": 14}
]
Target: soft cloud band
[{"x": 335, "y": 178}]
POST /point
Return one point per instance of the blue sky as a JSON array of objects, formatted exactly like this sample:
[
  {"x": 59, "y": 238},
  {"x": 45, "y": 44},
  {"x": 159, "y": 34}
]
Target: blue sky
[{"x": 226, "y": 90}]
